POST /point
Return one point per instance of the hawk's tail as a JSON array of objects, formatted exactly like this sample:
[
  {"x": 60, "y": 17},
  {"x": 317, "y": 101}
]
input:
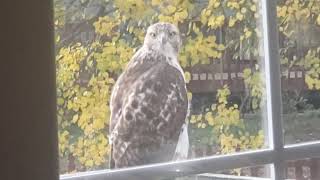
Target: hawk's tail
[{"x": 182, "y": 148}]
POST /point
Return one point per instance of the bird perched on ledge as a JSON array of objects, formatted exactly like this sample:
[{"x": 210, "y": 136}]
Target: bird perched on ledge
[{"x": 149, "y": 103}]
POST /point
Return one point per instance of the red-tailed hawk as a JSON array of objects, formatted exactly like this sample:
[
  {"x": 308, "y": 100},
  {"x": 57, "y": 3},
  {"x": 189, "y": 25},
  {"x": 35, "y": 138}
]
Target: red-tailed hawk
[{"x": 149, "y": 102}]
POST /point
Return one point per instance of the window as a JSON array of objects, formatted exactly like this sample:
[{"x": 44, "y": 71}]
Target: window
[
  {"x": 299, "y": 58},
  {"x": 238, "y": 90}
]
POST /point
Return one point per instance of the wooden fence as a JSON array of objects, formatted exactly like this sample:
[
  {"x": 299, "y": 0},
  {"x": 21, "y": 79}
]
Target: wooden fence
[{"x": 211, "y": 77}]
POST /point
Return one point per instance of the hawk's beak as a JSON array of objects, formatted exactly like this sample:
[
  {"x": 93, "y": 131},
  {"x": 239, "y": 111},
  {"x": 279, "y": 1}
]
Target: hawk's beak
[{"x": 163, "y": 40}]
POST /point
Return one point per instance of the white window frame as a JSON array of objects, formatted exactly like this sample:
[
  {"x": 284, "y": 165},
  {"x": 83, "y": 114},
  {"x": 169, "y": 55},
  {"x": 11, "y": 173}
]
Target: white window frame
[{"x": 276, "y": 154}]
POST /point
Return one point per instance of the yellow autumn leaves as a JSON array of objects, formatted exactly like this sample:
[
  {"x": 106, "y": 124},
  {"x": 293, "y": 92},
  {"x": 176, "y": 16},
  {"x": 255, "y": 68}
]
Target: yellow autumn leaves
[
  {"x": 84, "y": 70},
  {"x": 307, "y": 15},
  {"x": 174, "y": 11},
  {"x": 300, "y": 10},
  {"x": 177, "y": 17},
  {"x": 255, "y": 83},
  {"x": 106, "y": 25},
  {"x": 201, "y": 50},
  {"x": 68, "y": 63},
  {"x": 82, "y": 106},
  {"x": 219, "y": 114},
  {"x": 312, "y": 64},
  {"x": 293, "y": 11},
  {"x": 91, "y": 151},
  {"x": 222, "y": 118},
  {"x": 117, "y": 53},
  {"x": 230, "y": 143},
  {"x": 135, "y": 9},
  {"x": 63, "y": 142},
  {"x": 209, "y": 17}
]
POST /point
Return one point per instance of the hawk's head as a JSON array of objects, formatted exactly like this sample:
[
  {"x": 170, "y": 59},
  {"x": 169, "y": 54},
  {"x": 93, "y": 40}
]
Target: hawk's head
[{"x": 163, "y": 37}]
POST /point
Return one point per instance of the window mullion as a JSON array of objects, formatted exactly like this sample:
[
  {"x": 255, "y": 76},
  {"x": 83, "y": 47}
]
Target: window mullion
[
  {"x": 301, "y": 151},
  {"x": 182, "y": 168},
  {"x": 273, "y": 84}
]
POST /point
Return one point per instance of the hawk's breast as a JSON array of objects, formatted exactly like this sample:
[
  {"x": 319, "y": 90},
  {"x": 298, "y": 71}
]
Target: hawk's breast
[{"x": 153, "y": 105}]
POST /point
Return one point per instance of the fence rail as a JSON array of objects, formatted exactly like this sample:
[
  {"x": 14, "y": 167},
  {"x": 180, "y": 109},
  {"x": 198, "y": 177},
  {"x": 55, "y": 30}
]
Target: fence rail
[{"x": 210, "y": 78}]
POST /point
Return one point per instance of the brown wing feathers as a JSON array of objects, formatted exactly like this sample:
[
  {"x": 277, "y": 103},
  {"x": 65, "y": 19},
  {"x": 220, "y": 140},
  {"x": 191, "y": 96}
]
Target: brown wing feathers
[{"x": 147, "y": 113}]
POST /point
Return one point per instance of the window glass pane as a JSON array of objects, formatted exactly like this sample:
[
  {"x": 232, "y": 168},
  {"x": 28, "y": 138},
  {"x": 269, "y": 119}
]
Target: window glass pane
[
  {"x": 303, "y": 169},
  {"x": 299, "y": 28},
  {"x": 221, "y": 55}
]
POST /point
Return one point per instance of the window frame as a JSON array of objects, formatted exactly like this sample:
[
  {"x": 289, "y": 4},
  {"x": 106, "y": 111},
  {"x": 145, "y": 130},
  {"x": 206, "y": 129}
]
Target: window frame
[{"x": 276, "y": 154}]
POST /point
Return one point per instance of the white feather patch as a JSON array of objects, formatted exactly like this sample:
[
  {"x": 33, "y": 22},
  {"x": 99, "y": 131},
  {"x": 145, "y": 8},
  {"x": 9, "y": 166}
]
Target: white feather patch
[{"x": 182, "y": 148}]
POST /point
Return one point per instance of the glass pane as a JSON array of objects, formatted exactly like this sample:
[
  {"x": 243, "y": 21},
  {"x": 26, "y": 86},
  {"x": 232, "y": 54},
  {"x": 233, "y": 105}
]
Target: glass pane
[
  {"x": 303, "y": 169},
  {"x": 221, "y": 56},
  {"x": 299, "y": 28}
]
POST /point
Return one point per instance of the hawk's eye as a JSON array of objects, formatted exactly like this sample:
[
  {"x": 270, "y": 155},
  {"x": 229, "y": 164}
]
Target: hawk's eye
[
  {"x": 171, "y": 34},
  {"x": 152, "y": 34}
]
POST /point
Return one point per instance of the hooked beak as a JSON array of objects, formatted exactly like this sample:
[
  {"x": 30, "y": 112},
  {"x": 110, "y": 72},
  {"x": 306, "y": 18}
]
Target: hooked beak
[{"x": 163, "y": 40}]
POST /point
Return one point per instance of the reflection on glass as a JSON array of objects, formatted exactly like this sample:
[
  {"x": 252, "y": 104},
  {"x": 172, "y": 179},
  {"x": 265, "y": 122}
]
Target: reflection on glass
[
  {"x": 299, "y": 28},
  {"x": 221, "y": 55}
]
